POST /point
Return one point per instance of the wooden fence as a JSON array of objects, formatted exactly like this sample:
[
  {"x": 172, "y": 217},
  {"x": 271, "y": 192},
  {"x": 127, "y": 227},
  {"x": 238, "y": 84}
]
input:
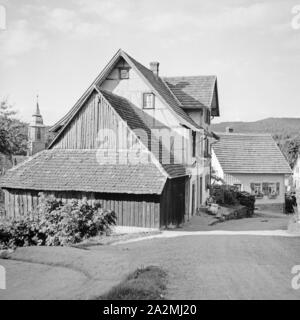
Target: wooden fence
[{"x": 131, "y": 210}]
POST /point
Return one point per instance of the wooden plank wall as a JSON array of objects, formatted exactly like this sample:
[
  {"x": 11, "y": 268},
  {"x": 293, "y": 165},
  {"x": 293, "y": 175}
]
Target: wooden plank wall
[
  {"x": 131, "y": 210},
  {"x": 83, "y": 131}
]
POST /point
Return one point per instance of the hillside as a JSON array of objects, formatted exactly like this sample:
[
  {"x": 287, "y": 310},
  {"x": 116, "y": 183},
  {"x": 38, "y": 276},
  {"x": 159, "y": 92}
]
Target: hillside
[
  {"x": 286, "y": 132},
  {"x": 279, "y": 126}
]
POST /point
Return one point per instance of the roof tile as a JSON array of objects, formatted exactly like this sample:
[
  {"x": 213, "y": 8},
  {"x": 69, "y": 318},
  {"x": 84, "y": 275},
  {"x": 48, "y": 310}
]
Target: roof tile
[
  {"x": 250, "y": 153},
  {"x": 79, "y": 170},
  {"x": 193, "y": 92}
]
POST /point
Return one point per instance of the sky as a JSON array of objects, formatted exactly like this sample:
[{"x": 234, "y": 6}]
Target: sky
[{"x": 57, "y": 48}]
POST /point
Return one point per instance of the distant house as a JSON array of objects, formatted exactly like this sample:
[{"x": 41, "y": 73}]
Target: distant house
[
  {"x": 136, "y": 142},
  {"x": 253, "y": 163}
]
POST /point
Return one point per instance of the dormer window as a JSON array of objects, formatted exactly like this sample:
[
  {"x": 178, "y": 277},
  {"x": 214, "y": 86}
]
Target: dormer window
[
  {"x": 148, "y": 100},
  {"x": 124, "y": 73}
]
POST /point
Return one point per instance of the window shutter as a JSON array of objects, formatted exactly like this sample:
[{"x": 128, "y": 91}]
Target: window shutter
[{"x": 278, "y": 188}]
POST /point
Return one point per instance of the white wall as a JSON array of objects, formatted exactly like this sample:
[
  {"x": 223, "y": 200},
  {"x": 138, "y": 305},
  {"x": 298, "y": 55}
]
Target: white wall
[
  {"x": 246, "y": 179},
  {"x": 216, "y": 165},
  {"x": 133, "y": 89},
  {"x": 296, "y": 174}
]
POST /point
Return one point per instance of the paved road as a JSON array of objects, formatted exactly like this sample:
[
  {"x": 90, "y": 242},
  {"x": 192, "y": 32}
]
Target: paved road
[{"x": 199, "y": 267}]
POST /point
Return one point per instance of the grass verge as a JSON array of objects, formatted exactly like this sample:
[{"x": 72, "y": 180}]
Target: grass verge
[
  {"x": 112, "y": 238},
  {"x": 143, "y": 284}
]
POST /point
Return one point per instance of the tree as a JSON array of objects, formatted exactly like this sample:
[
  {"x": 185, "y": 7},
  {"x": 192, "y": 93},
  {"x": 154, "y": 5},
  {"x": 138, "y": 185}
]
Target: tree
[{"x": 13, "y": 132}]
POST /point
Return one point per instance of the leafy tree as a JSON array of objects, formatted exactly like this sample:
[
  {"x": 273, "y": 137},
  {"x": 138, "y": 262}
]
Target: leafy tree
[{"x": 13, "y": 132}]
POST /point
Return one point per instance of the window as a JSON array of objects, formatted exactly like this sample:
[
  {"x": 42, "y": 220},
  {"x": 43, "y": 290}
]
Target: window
[
  {"x": 194, "y": 143},
  {"x": 207, "y": 120},
  {"x": 172, "y": 150},
  {"x": 124, "y": 73},
  {"x": 148, "y": 101},
  {"x": 272, "y": 190},
  {"x": 256, "y": 189},
  {"x": 238, "y": 186},
  {"x": 206, "y": 148}
]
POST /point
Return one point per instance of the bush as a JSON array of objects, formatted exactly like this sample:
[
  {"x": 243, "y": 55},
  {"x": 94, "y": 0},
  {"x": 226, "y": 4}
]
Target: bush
[
  {"x": 58, "y": 224},
  {"x": 247, "y": 200},
  {"x": 290, "y": 202},
  {"x": 25, "y": 232},
  {"x": 226, "y": 195}
]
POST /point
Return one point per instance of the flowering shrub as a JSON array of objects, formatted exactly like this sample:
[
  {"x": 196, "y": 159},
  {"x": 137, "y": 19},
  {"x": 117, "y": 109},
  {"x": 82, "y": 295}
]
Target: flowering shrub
[
  {"x": 58, "y": 224},
  {"x": 25, "y": 232}
]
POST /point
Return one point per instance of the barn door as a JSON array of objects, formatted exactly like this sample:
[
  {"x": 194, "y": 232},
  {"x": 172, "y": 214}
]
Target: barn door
[{"x": 187, "y": 198}]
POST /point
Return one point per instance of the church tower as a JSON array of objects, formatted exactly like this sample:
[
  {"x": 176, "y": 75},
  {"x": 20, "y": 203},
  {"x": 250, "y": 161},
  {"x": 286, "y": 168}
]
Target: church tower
[{"x": 36, "y": 132}]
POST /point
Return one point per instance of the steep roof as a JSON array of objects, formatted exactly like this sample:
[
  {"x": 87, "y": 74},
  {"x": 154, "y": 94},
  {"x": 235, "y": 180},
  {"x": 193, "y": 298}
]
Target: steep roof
[
  {"x": 193, "y": 92},
  {"x": 250, "y": 153},
  {"x": 137, "y": 119},
  {"x": 157, "y": 84},
  {"x": 163, "y": 90},
  {"x": 79, "y": 170}
]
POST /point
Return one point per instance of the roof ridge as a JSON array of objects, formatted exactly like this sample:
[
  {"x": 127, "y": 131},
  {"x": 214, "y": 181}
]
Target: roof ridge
[
  {"x": 195, "y": 76},
  {"x": 244, "y": 134},
  {"x": 120, "y": 53},
  {"x": 180, "y": 112}
]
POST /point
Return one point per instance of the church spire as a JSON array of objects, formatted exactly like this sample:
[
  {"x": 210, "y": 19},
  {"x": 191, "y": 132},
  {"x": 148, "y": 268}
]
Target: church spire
[
  {"x": 37, "y": 117},
  {"x": 37, "y": 112},
  {"x": 36, "y": 132}
]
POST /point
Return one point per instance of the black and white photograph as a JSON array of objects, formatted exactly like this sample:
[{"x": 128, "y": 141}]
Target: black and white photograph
[{"x": 149, "y": 151}]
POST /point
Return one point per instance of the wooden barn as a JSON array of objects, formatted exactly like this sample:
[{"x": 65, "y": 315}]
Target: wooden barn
[{"x": 109, "y": 148}]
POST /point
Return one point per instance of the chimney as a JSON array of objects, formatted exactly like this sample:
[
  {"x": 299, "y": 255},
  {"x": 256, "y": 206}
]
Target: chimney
[
  {"x": 229, "y": 130},
  {"x": 154, "y": 66}
]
